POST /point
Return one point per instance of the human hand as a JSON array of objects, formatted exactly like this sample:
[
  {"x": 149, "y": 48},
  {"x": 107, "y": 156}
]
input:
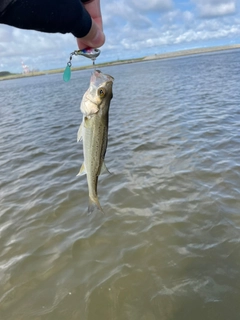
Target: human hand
[{"x": 95, "y": 38}]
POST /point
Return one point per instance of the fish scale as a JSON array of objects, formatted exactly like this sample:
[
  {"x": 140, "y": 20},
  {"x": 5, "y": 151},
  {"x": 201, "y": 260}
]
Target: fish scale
[{"x": 94, "y": 132}]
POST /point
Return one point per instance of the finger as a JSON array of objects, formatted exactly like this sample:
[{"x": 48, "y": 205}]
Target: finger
[
  {"x": 94, "y": 39},
  {"x": 94, "y": 9}
]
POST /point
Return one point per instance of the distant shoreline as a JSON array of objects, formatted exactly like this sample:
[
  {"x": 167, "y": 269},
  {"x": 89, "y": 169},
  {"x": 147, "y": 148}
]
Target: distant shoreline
[
  {"x": 166, "y": 55},
  {"x": 191, "y": 52}
]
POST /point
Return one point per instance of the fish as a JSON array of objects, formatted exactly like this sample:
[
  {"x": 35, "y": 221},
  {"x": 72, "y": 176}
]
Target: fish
[{"x": 93, "y": 132}]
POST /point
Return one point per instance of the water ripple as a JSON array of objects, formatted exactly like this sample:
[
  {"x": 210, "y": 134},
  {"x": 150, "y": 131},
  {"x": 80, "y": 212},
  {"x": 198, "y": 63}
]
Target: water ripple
[{"x": 167, "y": 246}]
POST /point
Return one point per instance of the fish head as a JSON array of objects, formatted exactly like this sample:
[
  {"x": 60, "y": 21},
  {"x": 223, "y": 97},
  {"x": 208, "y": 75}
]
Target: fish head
[{"x": 98, "y": 95}]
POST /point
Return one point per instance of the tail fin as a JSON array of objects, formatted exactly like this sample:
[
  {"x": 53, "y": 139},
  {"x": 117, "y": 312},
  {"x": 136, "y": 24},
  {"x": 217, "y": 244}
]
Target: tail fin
[{"x": 94, "y": 203}]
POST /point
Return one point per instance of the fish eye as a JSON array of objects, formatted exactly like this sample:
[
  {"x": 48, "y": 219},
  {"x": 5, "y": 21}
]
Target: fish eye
[{"x": 101, "y": 92}]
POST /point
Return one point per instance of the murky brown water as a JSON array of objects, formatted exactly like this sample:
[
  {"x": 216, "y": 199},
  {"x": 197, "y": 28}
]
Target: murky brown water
[{"x": 168, "y": 245}]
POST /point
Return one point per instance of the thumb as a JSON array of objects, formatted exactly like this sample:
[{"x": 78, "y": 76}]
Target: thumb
[{"x": 94, "y": 39}]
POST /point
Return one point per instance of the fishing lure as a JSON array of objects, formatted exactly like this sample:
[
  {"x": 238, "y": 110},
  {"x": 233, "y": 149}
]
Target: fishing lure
[{"x": 87, "y": 52}]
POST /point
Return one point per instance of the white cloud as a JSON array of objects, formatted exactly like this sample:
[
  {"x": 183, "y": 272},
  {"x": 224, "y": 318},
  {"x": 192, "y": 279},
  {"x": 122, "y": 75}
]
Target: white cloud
[
  {"x": 181, "y": 36},
  {"x": 130, "y": 32},
  {"x": 121, "y": 13},
  {"x": 215, "y": 8},
  {"x": 33, "y": 47},
  {"x": 188, "y": 16},
  {"x": 180, "y": 28},
  {"x": 152, "y": 5}
]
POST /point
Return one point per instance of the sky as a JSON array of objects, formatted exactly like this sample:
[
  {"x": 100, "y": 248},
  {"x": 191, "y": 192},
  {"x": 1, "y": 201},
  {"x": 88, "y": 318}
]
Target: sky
[{"x": 133, "y": 28}]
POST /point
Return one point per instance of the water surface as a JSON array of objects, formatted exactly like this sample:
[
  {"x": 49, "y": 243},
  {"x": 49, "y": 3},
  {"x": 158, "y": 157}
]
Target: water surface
[{"x": 168, "y": 245}]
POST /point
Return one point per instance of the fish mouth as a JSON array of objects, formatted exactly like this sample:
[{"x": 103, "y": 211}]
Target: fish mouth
[
  {"x": 98, "y": 78},
  {"x": 91, "y": 102}
]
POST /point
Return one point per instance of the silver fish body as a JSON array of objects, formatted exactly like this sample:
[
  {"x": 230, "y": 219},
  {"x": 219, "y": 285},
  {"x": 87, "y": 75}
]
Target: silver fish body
[{"x": 94, "y": 132}]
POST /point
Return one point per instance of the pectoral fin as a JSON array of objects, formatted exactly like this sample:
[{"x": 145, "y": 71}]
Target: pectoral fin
[
  {"x": 82, "y": 170},
  {"x": 104, "y": 169},
  {"x": 79, "y": 134}
]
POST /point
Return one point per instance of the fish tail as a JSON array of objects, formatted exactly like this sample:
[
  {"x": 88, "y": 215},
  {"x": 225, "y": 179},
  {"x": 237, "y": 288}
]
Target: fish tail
[{"x": 93, "y": 204}]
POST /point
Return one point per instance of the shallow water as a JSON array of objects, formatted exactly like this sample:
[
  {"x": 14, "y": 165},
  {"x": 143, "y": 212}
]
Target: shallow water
[{"x": 168, "y": 245}]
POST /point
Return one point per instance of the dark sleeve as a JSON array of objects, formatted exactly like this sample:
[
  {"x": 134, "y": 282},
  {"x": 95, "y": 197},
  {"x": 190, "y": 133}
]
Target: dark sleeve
[{"x": 64, "y": 16}]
